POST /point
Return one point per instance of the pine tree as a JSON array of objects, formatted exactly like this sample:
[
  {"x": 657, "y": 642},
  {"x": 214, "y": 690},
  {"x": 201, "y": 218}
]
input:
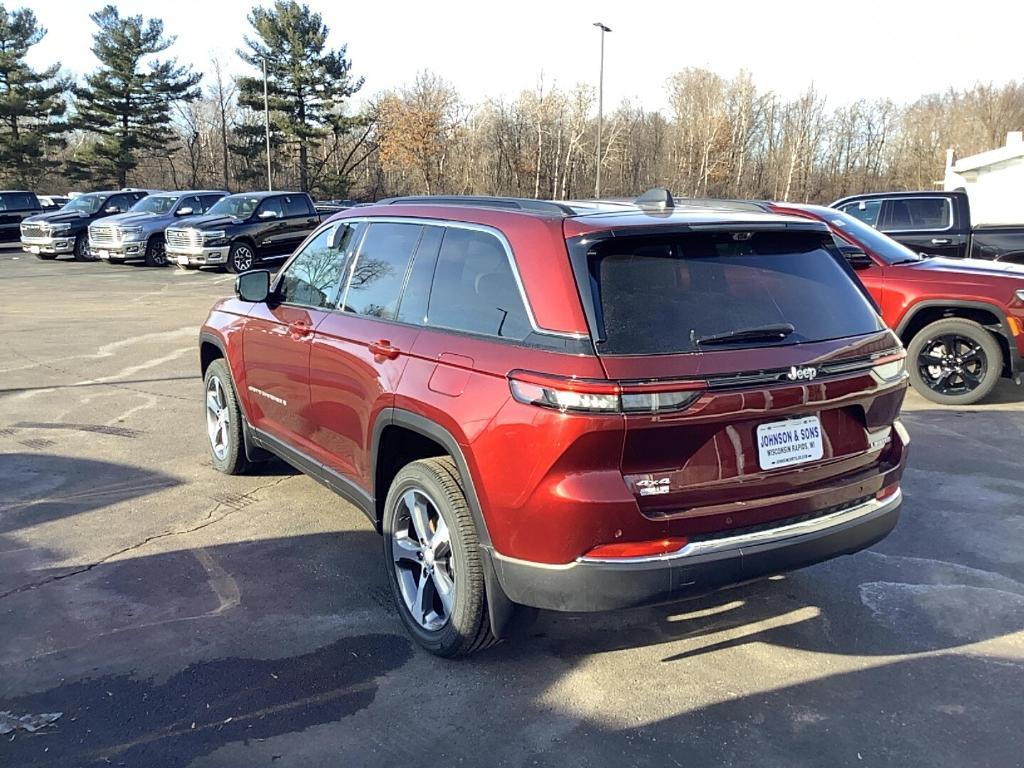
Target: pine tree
[
  {"x": 307, "y": 83},
  {"x": 127, "y": 102},
  {"x": 31, "y": 102}
]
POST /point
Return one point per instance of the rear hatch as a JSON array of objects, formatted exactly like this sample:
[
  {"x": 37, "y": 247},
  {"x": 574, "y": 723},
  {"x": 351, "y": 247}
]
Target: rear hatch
[{"x": 777, "y": 345}]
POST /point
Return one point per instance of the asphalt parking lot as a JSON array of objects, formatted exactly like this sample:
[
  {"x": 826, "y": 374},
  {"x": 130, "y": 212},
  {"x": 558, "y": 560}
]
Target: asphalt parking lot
[{"x": 178, "y": 617}]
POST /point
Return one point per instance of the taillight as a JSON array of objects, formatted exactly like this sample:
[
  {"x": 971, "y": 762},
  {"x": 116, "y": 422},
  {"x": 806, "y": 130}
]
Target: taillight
[
  {"x": 596, "y": 396},
  {"x": 630, "y": 549},
  {"x": 887, "y": 492},
  {"x": 890, "y": 368}
]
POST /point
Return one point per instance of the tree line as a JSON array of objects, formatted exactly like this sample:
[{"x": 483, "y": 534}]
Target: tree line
[{"x": 142, "y": 119}]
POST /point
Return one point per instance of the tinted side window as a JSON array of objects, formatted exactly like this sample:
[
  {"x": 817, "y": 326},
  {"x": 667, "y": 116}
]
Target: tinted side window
[
  {"x": 413, "y": 308},
  {"x": 209, "y": 200},
  {"x": 17, "y": 201},
  {"x": 865, "y": 210},
  {"x": 474, "y": 289},
  {"x": 271, "y": 204},
  {"x": 193, "y": 202},
  {"x": 910, "y": 213},
  {"x": 313, "y": 278},
  {"x": 378, "y": 272},
  {"x": 296, "y": 206},
  {"x": 121, "y": 202}
]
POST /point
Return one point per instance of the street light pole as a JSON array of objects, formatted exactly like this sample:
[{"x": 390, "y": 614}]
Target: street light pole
[
  {"x": 600, "y": 109},
  {"x": 266, "y": 119}
]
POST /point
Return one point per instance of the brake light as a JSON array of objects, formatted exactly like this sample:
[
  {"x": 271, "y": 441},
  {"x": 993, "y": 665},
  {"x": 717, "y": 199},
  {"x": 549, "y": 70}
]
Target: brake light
[
  {"x": 566, "y": 393},
  {"x": 890, "y": 368},
  {"x": 628, "y": 549},
  {"x": 885, "y": 493}
]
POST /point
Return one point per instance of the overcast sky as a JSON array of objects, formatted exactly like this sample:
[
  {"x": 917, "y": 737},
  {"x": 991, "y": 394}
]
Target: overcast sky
[{"x": 897, "y": 48}]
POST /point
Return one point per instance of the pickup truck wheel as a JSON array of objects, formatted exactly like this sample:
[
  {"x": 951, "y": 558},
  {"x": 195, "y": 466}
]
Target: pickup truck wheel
[
  {"x": 432, "y": 557},
  {"x": 223, "y": 421},
  {"x": 240, "y": 257},
  {"x": 81, "y": 251},
  {"x": 156, "y": 253},
  {"x": 954, "y": 362}
]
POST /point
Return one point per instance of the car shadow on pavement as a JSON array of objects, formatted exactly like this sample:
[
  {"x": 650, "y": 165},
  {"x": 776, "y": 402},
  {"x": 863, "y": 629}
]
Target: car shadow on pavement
[{"x": 41, "y": 488}]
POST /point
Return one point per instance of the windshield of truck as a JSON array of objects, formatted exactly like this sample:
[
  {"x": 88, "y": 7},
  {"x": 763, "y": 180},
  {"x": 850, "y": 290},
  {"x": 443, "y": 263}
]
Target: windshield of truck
[
  {"x": 239, "y": 206},
  {"x": 154, "y": 204},
  {"x": 702, "y": 291},
  {"x": 85, "y": 203}
]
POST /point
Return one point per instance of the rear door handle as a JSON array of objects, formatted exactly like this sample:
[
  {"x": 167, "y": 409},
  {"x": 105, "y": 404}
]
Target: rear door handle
[
  {"x": 383, "y": 348},
  {"x": 300, "y": 329},
  {"x": 941, "y": 241}
]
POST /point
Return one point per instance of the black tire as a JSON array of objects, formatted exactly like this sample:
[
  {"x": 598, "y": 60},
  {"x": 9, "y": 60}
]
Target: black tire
[
  {"x": 156, "y": 254},
  {"x": 466, "y": 629},
  {"x": 241, "y": 257},
  {"x": 46, "y": 256},
  {"x": 232, "y": 460},
  {"x": 81, "y": 252},
  {"x": 954, "y": 362}
]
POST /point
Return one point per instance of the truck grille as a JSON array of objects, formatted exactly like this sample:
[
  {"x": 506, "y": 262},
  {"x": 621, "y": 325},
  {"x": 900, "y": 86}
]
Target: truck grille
[
  {"x": 104, "y": 234},
  {"x": 183, "y": 238},
  {"x": 35, "y": 230}
]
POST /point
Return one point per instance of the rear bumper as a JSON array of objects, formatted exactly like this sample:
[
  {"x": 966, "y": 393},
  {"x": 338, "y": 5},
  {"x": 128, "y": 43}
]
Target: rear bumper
[{"x": 702, "y": 566}]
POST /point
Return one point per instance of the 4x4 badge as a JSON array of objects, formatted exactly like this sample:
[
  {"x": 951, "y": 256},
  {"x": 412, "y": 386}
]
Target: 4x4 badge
[{"x": 802, "y": 374}]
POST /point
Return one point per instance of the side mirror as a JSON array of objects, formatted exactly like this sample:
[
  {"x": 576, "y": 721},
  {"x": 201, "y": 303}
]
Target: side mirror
[
  {"x": 186, "y": 211},
  {"x": 253, "y": 286},
  {"x": 267, "y": 215}
]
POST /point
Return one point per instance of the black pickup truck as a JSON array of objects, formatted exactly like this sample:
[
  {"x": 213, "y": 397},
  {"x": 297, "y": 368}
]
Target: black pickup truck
[
  {"x": 15, "y": 207},
  {"x": 240, "y": 231},
  {"x": 48, "y": 235},
  {"x": 936, "y": 223}
]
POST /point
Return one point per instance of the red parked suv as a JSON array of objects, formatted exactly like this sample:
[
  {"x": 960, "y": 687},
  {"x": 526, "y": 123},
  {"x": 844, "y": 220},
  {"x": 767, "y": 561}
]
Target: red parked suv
[
  {"x": 961, "y": 319},
  {"x": 573, "y": 407}
]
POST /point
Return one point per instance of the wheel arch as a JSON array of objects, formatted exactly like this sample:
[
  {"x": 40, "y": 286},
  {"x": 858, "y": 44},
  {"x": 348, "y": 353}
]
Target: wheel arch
[
  {"x": 989, "y": 316},
  {"x": 502, "y": 613}
]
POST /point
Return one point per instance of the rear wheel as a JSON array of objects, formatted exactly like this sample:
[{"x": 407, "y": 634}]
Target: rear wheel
[
  {"x": 81, "y": 251},
  {"x": 156, "y": 255},
  {"x": 432, "y": 556},
  {"x": 241, "y": 257},
  {"x": 954, "y": 362}
]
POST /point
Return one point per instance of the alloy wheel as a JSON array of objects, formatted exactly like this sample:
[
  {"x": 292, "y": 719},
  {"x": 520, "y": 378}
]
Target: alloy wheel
[
  {"x": 242, "y": 259},
  {"x": 424, "y": 561},
  {"x": 952, "y": 365},
  {"x": 218, "y": 418}
]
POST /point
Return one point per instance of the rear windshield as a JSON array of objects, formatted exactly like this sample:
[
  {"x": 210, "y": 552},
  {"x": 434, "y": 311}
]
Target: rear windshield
[{"x": 673, "y": 293}]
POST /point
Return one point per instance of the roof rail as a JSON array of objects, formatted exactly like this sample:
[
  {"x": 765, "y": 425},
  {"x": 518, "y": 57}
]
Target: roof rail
[
  {"x": 510, "y": 203},
  {"x": 655, "y": 198}
]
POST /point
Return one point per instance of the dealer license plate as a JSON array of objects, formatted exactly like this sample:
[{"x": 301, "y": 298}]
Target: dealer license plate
[
  {"x": 786, "y": 443},
  {"x": 183, "y": 260},
  {"x": 103, "y": 254},
  {"x": 33, "y": 249}
]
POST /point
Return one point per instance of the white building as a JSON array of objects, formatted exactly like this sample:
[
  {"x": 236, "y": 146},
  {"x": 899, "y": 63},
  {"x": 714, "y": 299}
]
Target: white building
[{"x": 994, "y": 181}]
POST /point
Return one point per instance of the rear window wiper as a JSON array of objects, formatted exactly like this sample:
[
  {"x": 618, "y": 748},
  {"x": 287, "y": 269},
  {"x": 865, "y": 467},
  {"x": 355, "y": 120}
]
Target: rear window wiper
[{"x": 761, "y": 333}]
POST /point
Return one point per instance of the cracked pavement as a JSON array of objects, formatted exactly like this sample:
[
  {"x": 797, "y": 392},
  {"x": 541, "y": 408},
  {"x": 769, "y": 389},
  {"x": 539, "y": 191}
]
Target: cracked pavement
[{"x": 178, "y": 617}]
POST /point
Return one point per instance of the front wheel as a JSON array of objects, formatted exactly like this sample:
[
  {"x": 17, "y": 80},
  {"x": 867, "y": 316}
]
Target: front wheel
[
  {"x": 432, "y": 556},
  {"x": 81, "y": 251},
  {"x": 954, "y": 362},
  {"x": 156, "y": 254},
  {"x": 223, "y": 421},
  {"x": 241, "y": 257}
]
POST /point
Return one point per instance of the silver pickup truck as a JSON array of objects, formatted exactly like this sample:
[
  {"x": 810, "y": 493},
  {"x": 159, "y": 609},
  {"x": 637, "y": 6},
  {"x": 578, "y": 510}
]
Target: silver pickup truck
[{"x": 138, "y": 235}]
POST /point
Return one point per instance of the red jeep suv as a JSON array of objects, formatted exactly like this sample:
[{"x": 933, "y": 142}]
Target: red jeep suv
[{"x": 574, "y": 407}]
